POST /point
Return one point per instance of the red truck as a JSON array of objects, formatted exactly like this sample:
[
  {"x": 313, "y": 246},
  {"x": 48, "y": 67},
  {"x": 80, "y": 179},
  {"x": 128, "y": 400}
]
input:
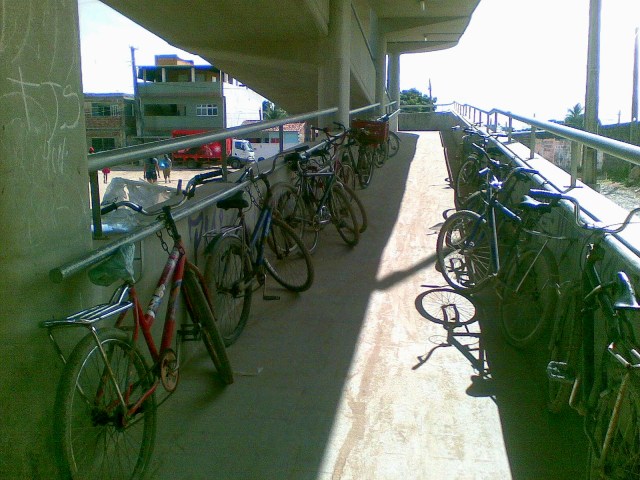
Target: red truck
[{"x": 238, "y": 151}]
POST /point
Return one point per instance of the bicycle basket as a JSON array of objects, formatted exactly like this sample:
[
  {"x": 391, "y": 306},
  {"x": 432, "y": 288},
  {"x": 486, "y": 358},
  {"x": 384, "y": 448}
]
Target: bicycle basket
[
  {"x": 118, "y": 266},
  {"x": 372, "y": 131}
]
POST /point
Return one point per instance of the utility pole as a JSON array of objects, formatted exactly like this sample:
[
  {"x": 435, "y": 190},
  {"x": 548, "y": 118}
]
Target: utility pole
[
  {"x": 136, "y": 97},
  {"x": 634, "y": 96},
  {"x": 589, "y": 167}
]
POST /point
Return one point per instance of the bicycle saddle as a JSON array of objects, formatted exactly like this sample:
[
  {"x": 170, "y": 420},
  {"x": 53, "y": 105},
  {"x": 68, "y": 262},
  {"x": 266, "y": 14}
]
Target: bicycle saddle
[
  {"x": 529, "y": 203},
  {"x": 626, "y": 297},
  {"x": 236, "y": 200}
]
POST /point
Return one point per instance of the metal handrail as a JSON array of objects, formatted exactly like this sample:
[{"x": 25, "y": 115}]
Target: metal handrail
[
  {"x": 111, "y": 158},
  {"x": 616, "y": 148}
]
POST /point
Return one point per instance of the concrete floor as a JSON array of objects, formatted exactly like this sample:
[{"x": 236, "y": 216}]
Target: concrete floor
[{"x": 337, "y": 383}]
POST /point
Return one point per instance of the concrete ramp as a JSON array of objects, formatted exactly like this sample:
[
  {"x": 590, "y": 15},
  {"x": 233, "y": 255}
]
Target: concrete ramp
[{"x": 350, "y": 381}]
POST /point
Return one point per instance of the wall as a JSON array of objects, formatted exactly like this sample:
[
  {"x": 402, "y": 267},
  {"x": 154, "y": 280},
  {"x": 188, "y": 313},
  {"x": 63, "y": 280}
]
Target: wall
[{"x": 44, "y": 209}]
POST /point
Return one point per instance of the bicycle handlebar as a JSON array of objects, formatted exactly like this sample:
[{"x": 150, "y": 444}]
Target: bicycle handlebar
[{"x": 597, "y": 226}]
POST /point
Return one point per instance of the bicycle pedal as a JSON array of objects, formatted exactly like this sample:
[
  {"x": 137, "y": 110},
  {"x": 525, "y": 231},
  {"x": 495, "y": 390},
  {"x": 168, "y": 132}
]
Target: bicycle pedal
[
  {"x": 270, "y": 297},
  {"x": 559, "y": 371},
  {"x": 189, "y": 332}
]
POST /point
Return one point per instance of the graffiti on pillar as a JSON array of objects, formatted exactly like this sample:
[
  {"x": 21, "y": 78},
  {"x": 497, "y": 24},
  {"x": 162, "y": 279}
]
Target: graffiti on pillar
[{"x": 41, "y": 108}]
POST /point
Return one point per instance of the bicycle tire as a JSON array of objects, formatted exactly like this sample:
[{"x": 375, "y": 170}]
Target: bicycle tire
[
  {"x": 382, "y": 154},
  {"x": 228, "y": 273},
  {"x": 430, "y": 305},
  {"x": 564, "y": 347},
  {"x": 202, "y": 315},
  {"x": 463, "y": 251},
  {"x": 297, "y": 212},
  {"x": 393, "y": 144},
  {"x": 467, "y": 183},
  {"x": 528, "y": 297},
  {"x": 91, "y": 438},
  {"x": 286, "y": 258},
  {"x": 365, "y": 166},
  {"x": 347, "y": 175},
  {"x": 622, "y": 460},
  {"x": 359, "y": 208},
  {"x": 343, "y": 216}
]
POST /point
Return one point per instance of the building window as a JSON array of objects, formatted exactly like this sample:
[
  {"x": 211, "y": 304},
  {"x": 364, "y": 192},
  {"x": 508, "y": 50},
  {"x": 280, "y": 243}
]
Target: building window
[
  {"x": 105, "y": 110},
  {"x": 206, "y": 110},
  {"x": 101, "y": 144},
  {"x": 164, "y": 110}
]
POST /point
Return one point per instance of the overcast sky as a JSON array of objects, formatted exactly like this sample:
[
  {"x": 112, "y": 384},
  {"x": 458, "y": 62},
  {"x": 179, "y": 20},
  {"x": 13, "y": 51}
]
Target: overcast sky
[{"x": 524, "y": 56}]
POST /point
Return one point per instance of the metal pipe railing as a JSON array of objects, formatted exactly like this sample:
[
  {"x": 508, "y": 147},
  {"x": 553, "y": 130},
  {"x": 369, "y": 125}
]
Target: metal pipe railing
[
  {"x": 111, "y": 158},
  {"x": 616, "y": 148}
]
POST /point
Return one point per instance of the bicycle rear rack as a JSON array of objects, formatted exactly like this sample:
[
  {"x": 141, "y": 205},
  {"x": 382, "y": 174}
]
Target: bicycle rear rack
[
  {"x": 116, "y": 305},
  {"x": 86, "y": 318}
]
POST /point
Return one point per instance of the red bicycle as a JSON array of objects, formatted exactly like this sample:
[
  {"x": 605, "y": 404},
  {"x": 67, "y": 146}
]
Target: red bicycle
[{"x": 105, "y": 405}]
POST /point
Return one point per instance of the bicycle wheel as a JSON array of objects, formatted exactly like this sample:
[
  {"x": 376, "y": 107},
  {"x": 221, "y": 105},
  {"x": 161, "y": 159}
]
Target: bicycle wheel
[
  {"x": 459, "y": 308},
  {"x": 382, "y": 153},
  {"x": 346, "y": 175},
  {"x": 201, "y": 315},
  {"x": 228, "y": 273},
  {"x": 528, "y": 297},
  {"x": 393, "y": 144},
  {"x": 365, "y": 166},
  {"x": 95, "y": 438},
  {"x": 297, "y": 211},
  {"x": 343, "y": 216},
  {"x": 463, "y": 251},
  {"x": 621, "y": 460},
  {"x": 564, "y": 349},
  {"x": 467, "y": 183},
  {"x": 358, "y": 207},
  {"x": 286, "y": 258}
]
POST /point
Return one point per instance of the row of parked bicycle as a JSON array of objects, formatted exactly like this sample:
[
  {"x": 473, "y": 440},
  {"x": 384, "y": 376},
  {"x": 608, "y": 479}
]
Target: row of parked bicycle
[
  {"x": 106, "y": 401},
  {"x": 500, "y": 238}
]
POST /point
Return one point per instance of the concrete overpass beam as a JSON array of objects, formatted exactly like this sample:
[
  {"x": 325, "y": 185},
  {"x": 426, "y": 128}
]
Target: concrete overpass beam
[
  {"x": 45, "y": 215},
  {"x": 334, "y": 75},
  {"x": 381, "y": 73},
  {"x": 394, "y": 87}
]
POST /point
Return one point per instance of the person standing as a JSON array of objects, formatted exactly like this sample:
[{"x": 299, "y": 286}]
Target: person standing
[
  {"x": 105, "y": 173},
  {"x": 151, "y": 170},
  {"x": 165, "y": 164}
]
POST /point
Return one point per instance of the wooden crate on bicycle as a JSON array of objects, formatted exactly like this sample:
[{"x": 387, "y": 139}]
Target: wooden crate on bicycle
[{"x": 373, "y": 131}]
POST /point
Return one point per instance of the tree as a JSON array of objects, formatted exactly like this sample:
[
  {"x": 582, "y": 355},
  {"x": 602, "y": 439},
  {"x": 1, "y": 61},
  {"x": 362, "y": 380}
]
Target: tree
[
  {"x": 575, "y": 116},
  {"x": 414, "y": 97},
  {"x": 271, "y": 112}
]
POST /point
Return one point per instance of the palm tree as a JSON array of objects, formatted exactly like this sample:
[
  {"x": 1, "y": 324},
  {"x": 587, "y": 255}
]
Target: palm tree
[
  {"x": 575, "y": 116},
  {"x": 272, "y": 112}
]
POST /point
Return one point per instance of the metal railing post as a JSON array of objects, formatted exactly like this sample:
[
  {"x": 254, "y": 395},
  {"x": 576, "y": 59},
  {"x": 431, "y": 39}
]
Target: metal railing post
[{"x": 532, "y": 151}]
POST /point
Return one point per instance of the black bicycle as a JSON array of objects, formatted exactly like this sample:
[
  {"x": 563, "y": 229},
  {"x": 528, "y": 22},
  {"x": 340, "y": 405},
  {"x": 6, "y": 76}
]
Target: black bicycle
[
  {"x": 598, "y": 378},
  {"x": 470, "y": 254},
  {"x": 238, "y": 259}
]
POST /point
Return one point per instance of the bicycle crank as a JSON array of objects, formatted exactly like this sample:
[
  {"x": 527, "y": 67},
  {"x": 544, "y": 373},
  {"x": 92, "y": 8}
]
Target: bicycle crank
[{"x": 169, "y": 370}]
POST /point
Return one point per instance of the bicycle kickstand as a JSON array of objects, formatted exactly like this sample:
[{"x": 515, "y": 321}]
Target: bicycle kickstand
[{"x": 263, "y": 281}]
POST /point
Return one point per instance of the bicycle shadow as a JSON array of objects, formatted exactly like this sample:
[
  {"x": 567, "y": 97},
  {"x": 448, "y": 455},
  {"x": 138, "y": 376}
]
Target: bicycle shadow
[{"x": 442, "y": 305}]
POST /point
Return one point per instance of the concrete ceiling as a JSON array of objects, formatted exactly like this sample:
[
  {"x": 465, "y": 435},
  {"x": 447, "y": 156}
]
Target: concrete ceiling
[{"x": 274, "y": 47}]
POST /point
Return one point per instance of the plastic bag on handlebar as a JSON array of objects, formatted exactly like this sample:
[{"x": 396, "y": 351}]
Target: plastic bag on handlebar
[
  {"x": 124, "y": 220},
  {"x": 119, "y": 266}
]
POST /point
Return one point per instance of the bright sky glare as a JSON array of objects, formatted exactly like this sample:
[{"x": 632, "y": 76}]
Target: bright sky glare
[{"x": 517, "y": 55}]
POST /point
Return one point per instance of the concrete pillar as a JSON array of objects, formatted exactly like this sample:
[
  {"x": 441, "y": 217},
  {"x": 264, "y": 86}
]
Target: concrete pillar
[
  {"x": 334, "y": 74},
  {"x": 44, "y": 213},
  {"x": 381, "y": 72},
  {"x": 394, "y": 87}
]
